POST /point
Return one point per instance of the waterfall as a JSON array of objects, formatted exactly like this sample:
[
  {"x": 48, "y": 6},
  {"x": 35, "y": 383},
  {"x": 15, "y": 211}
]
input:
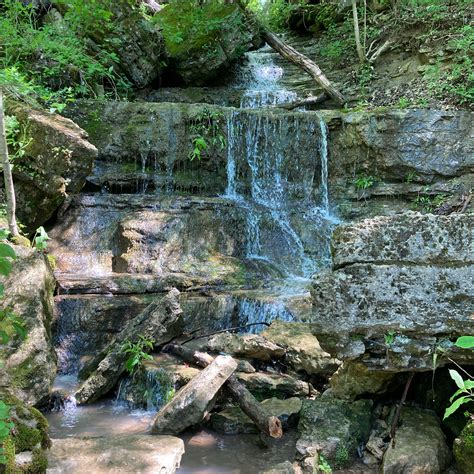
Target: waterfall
[
  {"x": 256, "y": 311},
  {"x": 260, "y": 77},
  {"x": 323, "y": 153},
  {"x": 274, "y": 161}
]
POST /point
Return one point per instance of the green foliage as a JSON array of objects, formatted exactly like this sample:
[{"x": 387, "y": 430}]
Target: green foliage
[
  {"x": 323, "y": 465},
  {"x": 389, "y": 338},
  {"x": 410, "y": 177},
  {"x": 364, "y": 182},
  {"x": 5, "y": 428},
  {"x": 206, "y": 134},
  {"x": 465, "y": 392},
  {"x": 51, "y": 63},
  {"x": 18, "y": 138},
  {"x": 41, "y": 239},
  {"x": 137, "y": 352},
  {"x": 428, "y": 203},
  {"x": 403, "y": 103}
]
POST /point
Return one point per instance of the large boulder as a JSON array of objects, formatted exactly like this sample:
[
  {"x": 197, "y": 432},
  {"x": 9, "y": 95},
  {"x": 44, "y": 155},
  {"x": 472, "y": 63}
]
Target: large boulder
[
  {"x": 420, "y": 445},
  {"x": 30, "y": 364},
  {"x": 56, "y": 163},
  {"x": 333, "y": 428},
  {"x": 400, "y": 285}
]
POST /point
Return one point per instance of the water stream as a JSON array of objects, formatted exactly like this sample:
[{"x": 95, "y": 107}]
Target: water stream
[{"x": 274, "y": 216}]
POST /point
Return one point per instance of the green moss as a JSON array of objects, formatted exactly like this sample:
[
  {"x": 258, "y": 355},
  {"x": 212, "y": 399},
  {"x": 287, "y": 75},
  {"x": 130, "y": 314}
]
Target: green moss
[
  {"x": 9, "y": 449},
  {"x": 26, "y": 438},
  {"x": 464, "y": 448}
]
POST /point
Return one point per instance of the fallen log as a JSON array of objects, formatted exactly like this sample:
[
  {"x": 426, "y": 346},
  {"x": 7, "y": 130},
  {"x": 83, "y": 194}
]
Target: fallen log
[
  {"x": 309, "y": 101},
  {"x": 160, "y": 322},
  {"x": 195, "y": 400},
  {"x": 269, "y": 425},
  {"x": 290, "y": 53}
]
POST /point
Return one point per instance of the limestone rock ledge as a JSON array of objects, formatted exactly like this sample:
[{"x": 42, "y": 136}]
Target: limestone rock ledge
[{"x": 401, "y": 286}]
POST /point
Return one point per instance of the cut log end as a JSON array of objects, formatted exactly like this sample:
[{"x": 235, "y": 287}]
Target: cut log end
[{"x": 275, "y": 429}]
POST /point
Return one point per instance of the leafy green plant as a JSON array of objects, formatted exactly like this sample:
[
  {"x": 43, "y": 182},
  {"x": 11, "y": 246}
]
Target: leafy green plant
[
  {"x": 404, "y": 103},
  {"x": 410, "y": 177},
  {"x": 137, "y": 353},
  {"x": 465, "y": 392},
  {"x": 206, "y": 134},
  {"x": 428, "y": 203},
  {"x": 323, "y": 465},
  {"x": 5, "y": 428},
  {"x": 364, "y": 182},
  {"x": 17, "y": 136},
  {"x": 389, "y": 338},
  {"x": 40, "y": 239}
]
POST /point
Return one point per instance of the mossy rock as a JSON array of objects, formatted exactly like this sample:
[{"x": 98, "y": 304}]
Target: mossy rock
[
  {"x": 463, "y": 448},
  {"x": 25, "y": 448}
]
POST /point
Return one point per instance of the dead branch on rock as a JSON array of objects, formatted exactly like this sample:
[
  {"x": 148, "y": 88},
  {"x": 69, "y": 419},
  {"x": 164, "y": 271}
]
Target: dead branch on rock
[
  {"x": 269, "y": 425},
  {"x": 396, "y": 418},
  {"x": 236, "y": 328}
]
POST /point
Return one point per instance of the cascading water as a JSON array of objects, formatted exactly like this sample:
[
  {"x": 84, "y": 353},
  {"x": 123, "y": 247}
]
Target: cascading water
[
  {"x": 274, "y": 185},
  {"x": 261, "y": 78}
]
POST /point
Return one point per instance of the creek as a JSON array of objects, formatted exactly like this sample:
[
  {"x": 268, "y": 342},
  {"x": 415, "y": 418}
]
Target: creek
[{"x": 279, "y": 221}]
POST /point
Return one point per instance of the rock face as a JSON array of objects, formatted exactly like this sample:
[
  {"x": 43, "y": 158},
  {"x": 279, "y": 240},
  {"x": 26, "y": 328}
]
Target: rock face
[
  {"x": 118, "y": 454},
  {"x": 334, "y": 428},
  {"x": 199, "y": 58},
  {"x": 404, "y": 297},
  {"x": 420, "y": 445},
  {"x": 56, "y": 162},
  {"x": 303, "y": 352},
  {"x": 265, "y": 384},
  {"x": 194, "y": 401},
  {"x": 30, "y": 364}
]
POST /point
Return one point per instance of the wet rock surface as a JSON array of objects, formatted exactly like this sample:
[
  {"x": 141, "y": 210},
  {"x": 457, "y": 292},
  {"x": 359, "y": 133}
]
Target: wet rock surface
[
  {"x": 420, "y": 445},
  {"x": 30, "y": 365},
  {"x": 117, "y": 454}
]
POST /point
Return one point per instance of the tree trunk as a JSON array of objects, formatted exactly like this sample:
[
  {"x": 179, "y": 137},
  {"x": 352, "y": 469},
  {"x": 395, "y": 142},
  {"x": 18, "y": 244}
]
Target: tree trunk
[
  {"x": 290, "y": 53},
  {"x": 7, "y": 174},
  {"x": 269, "y": 425},
  {"x": 360, "y": 50}
]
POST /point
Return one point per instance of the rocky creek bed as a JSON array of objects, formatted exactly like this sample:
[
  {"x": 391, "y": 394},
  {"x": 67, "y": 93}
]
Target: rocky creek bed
[{"x": 339, "y": 294}]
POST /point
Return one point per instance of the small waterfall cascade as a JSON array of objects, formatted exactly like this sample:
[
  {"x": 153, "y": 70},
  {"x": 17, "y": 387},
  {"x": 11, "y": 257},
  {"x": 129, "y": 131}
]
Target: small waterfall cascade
[
  {"x": 151, "y": 389},
  {"x": 276, "y": 184},
  {"x": 261, "y": 78},
  {"x": 252, "y": 311}
]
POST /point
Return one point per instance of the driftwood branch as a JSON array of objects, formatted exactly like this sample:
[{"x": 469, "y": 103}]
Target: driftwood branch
[
  {"x": 309, "y": 101},
  {"x": 290, "y": 53},
  {"x": 236, "y": 328},
  {"x": 294, "y": 56},
  {"x": 269, "y": 425}
]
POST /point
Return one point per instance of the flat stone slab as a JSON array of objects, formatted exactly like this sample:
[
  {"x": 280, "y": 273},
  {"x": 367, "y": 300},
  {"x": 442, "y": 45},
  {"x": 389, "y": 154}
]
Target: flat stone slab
[{"x": 144, "y": 454}]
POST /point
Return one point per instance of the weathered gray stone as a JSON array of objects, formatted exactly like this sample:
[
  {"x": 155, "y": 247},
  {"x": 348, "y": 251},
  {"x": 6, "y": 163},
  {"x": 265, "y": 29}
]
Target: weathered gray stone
[
  {"x": 333, "y": 428},
  {"x": 57, "y": 161},
  {"x": 116, "y": 454},
  {"x": 396, "y": 303},
  {"x": 420, "y": 445},
  {"x": 303, "y": 352},
  {"x": 267, "y": 384},
  {"x": 251, "y": 346},
  {"x": 410, "y": 238},
  {"x": 30, "y": 364},
  {"x": 194, "y": 401}
]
